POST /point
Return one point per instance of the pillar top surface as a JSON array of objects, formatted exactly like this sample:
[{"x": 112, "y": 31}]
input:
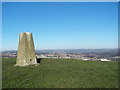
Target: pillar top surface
[{"x": 26, "y": 33}]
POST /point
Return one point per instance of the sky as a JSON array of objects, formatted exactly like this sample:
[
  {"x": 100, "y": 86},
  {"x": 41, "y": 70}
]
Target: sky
[{"x": 61, "y": 25}]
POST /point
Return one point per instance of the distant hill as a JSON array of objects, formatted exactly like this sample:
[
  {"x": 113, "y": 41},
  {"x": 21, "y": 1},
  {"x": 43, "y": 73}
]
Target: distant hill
[
  {"x": 75, "y": 50},
  {"x": 100, "y": 52}
]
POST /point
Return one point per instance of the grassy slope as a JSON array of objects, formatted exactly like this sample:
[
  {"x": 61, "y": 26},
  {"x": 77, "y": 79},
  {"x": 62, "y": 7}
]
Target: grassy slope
[{"x": 61, "y": 73}]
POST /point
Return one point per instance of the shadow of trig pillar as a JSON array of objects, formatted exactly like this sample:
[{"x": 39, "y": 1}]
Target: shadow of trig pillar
[{"x": 26, "y": 51}]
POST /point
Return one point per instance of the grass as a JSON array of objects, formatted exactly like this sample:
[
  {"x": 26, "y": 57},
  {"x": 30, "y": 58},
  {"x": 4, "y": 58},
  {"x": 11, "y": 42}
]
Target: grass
[{"x": 60, "y": 73}]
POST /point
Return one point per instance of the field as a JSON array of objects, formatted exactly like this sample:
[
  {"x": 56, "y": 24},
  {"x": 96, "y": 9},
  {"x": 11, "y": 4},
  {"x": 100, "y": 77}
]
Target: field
[{"x": 60, "y": 73}]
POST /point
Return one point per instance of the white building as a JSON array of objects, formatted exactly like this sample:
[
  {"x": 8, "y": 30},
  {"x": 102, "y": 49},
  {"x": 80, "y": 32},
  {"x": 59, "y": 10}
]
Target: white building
[{"x": 104, "y": 59}]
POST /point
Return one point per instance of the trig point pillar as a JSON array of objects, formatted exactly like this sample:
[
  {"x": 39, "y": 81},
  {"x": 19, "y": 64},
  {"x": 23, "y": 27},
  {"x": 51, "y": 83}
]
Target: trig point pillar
[{"x": 26, "y": 51}]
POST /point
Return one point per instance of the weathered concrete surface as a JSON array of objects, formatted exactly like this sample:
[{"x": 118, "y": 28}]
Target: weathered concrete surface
[{"x": 26, "y": 52}]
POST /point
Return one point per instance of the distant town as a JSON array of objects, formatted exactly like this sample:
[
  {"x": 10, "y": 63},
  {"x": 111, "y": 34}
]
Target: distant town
[{"x": 82, "y": 54}]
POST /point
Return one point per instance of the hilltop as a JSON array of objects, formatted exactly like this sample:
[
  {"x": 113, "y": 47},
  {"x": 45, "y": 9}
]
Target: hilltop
[{"x": 60, "y": 73}]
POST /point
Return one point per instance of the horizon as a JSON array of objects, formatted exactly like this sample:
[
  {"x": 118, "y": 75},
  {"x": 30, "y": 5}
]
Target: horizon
[
  {"x": 64, "y": 49},
  {"x": 61, "y": 25}
]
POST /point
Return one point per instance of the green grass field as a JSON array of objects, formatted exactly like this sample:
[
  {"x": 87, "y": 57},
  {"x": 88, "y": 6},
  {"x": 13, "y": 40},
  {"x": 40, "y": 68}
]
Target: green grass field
[{"x": 60, "y": 73}]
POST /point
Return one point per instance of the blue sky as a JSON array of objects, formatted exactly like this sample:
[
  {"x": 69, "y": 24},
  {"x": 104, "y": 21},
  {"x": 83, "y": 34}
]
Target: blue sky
[{"x": 60, "y": 25}]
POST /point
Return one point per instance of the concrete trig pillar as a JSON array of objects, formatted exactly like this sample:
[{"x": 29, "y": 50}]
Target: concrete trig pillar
[{"x": 26, "y": 51}]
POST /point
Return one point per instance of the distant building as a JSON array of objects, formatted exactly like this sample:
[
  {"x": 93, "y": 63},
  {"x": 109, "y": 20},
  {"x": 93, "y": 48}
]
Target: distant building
[{"x": 104, "y": 60}]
